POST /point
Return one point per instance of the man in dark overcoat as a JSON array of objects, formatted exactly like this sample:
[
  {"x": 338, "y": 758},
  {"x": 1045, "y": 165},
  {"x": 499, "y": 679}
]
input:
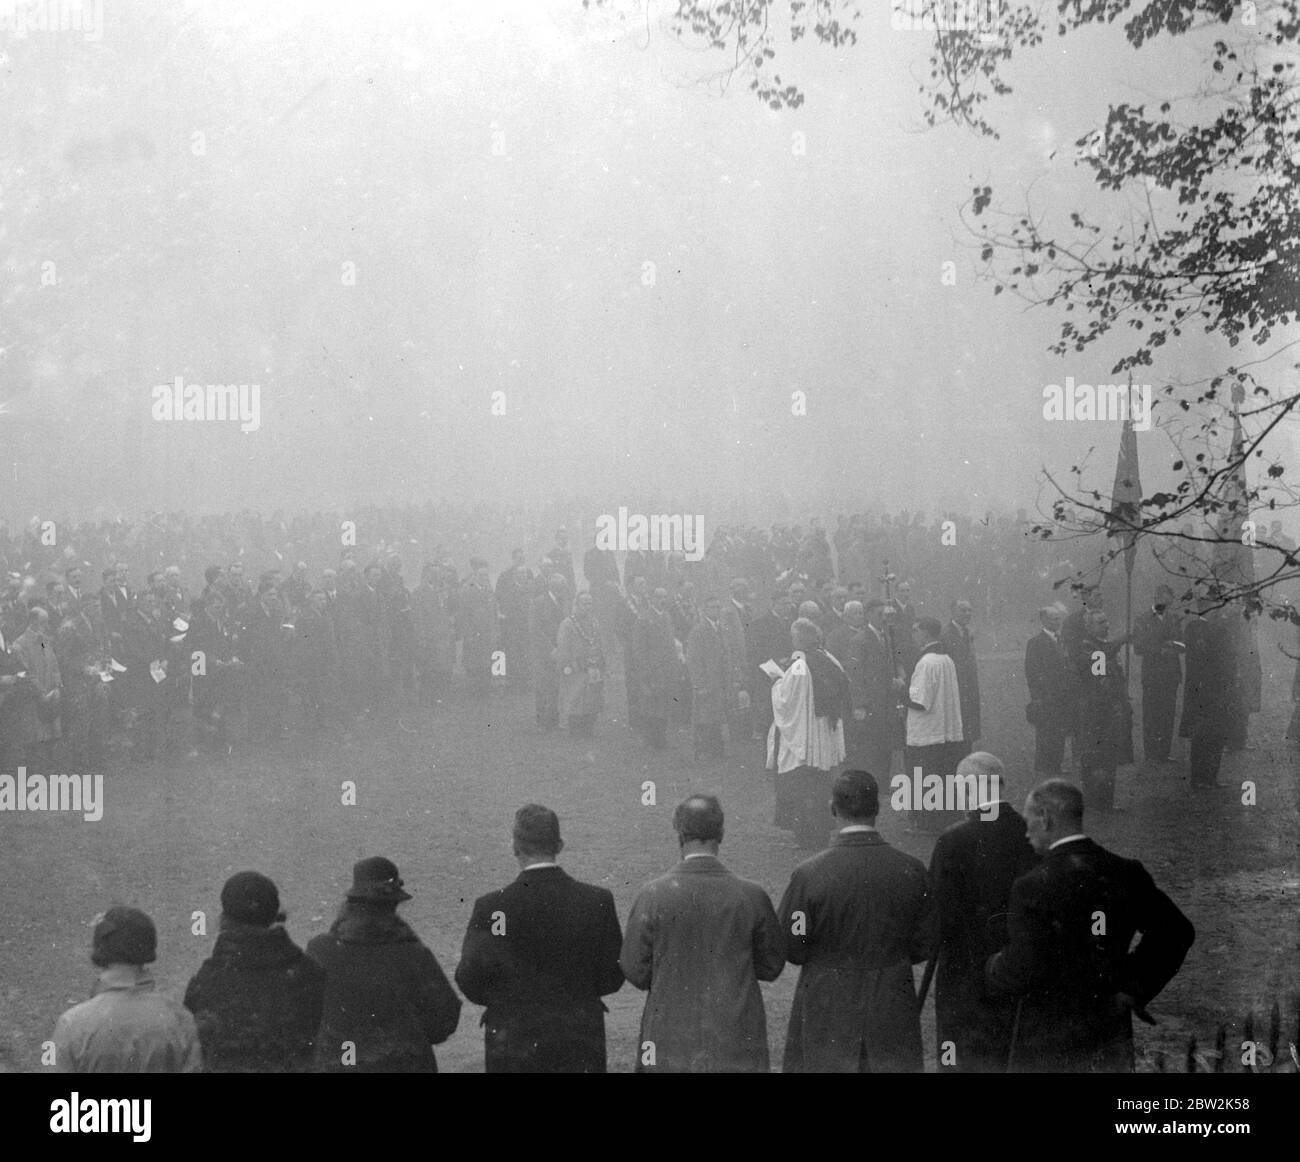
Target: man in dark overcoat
[
  {"x": 972, "y": 868},
  {"x": 856, "y": 917},
  {"x": 539, "y": 954},
  {"x": 1070, "y": 962}
]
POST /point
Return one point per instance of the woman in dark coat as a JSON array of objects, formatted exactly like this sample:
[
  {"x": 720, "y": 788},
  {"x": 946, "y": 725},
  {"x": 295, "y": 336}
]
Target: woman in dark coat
[
  {"x": 387, "y": 1000},
  {"x": 257, "y": 1000}
]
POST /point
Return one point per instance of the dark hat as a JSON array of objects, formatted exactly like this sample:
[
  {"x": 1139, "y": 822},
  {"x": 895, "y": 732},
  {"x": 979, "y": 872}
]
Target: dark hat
[
  {"x": 251, "y": 898},
  {"x": 376, "y": 878},
  {"x": 124, "y": 936}
]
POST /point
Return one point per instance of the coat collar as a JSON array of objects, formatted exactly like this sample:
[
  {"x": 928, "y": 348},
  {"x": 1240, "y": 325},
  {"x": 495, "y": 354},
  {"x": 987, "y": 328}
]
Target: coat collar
[
  {"x": 542, "y": 873},
  {"x": 857, "y": 839},
  {"x": 701, "y": 864},
  {"x": 122, "y": 977},
  {"x": 1087, "y": 843}
]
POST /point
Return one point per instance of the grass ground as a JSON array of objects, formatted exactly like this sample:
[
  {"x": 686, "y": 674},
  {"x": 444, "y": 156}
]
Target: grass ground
[{"x": 436, "y": 791}]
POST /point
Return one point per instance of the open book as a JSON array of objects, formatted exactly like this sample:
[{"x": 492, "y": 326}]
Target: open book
[{"x": 772, "y": 670}]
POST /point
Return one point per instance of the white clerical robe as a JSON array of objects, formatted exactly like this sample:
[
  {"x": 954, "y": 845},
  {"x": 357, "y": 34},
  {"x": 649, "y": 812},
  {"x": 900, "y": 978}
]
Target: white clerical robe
[
  {"x": 799, "y": 738},
  {"x": 934, "y": 686}
]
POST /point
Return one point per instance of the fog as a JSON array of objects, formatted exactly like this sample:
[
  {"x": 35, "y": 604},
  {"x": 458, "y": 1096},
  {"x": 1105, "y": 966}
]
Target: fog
[{"x": 513, "y": 250}]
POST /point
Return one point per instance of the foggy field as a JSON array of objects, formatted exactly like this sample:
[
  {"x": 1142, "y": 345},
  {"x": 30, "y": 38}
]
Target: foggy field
[{"x": 437, "y": 795}]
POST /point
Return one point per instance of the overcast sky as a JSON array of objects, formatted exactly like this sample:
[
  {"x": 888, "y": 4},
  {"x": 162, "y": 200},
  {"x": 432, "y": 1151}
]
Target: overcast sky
[{"x": 503, "y": 173}]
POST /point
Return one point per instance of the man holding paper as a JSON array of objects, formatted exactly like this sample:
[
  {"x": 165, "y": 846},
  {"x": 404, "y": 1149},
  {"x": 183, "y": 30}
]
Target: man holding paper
[{"x": 810, "y": 700}]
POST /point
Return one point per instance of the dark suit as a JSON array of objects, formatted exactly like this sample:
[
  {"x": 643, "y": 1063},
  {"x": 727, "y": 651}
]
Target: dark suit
[
  {"x": 960, "y": 646},
  {"x": 542, "y": 973},
  {"x": 882, "y": 727},
  {"x": 114, "y": 605},
  {"x": 1212, "y": 699},
  {"x": 1105, "y": 735},
  {"x": 1051, "y": 698},
  {"x": 545, "y": 616},
  {"x": 1071, "y": 923},
  {"x": 1162, "y": 674},
  {"x": 845, "y": 645},
  {"x": 972, "y": 869},
  {"x": 768, "y": 639},
  {"x": 856, "y": 916}
]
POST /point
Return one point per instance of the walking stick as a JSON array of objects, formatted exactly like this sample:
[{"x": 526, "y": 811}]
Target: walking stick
[
  {"x": 927, "y": 977},
  {"x": 1015, "y": 1036}
]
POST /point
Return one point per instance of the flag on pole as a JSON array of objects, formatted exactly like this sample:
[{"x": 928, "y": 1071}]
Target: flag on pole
[{"x": 1126, "y": 497}]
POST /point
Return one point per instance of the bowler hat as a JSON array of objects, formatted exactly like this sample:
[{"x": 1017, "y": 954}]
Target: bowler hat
[
  {"x": 376, "y": 878},
  {"x": 251, "y": 898},
  {"x": 124, "y": 936}
]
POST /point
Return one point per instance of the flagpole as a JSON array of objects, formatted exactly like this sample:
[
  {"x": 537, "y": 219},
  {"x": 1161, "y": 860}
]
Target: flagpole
[{"x": 1128, "y": 622}]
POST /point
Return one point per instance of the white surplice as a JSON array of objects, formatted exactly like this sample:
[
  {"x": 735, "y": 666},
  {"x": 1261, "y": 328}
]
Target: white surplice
[{"x": 799, "y": 738}]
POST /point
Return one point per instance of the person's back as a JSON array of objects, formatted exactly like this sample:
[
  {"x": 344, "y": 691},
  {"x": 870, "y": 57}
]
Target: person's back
[
  {"x": 387, "y": 1000},
  {"x": 856, "y": 918},
  {"x": 705, "y": 1011},
  {"x": 126, "y": 1026},
  {"x": 972, "y": 869},
  {"x": 539, "y": 954},
  {"x": 872, "y": 900},
  {"x": 258, "y": 998},
  {"x": 1071, "y": 923}
]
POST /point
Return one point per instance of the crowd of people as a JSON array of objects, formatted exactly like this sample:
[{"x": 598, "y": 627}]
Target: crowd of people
[
  {"x": 775, "y": 638},
  {"x": 177, "y": 649},
  {"x": 1026, "y": 980},
  {"x": 162, "y": 669}
]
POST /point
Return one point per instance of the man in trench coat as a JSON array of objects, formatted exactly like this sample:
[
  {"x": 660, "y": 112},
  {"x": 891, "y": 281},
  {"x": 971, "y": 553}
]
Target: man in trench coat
[
  {"x": 856, "y": 916},
  {"x": 699, "y": 939}
]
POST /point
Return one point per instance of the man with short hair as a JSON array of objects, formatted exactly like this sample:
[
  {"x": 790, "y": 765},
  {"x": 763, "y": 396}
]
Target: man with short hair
[
  {"x": 735, "y": 621},
  {"x": 114, "y": 603},
  {"x": 958, "y": 641},
  {"x": 539, "y": 954},
  {"x": 700, "y": 939},
  {"x": 934, "y": 722},
  {"x": 559, "y": 559},
  {"x": 476, "y": 610},
  {"x": 1104, "y": 738},
  {"x": 126, "y": 1026},
  {"x": 882, "y": 723},
  {"x": 1156, "y": 640},
  {"x": 654, "y": 653},
  {"x": 39, "y": 718},
  {"x": 769, "y": 639},
  {"x": 1212, "y": 698},
  {"x": 856, "y": 917},
  {"x": 1070, "y": 927},
  {"x": 709, "y": 665},
  {"x": 972, "y": 868},
  {"x": 1051, "y": 709},
  {"x": 810, "y": 702},
  {"x": 548, "y": 610},
  {"x": 846, "y": 644},
  {"x": 905, "y": 610}
]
